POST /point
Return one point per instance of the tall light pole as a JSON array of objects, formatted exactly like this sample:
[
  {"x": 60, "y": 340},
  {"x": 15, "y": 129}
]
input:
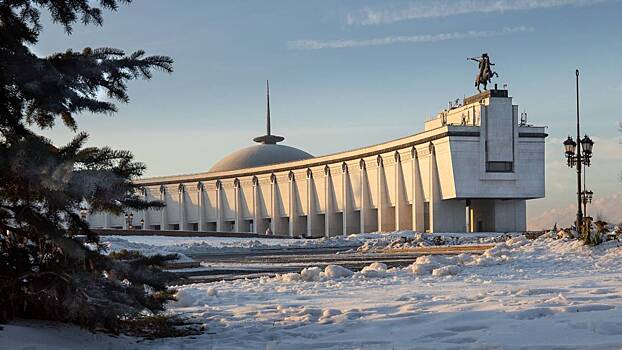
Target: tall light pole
[
  {"x": 578, "y": 153},
  {"x": 579, "y": 212}
]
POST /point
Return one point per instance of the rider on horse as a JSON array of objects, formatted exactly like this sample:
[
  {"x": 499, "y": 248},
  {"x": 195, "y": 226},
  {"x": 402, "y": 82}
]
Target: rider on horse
[{"x": 485, "y": 71}]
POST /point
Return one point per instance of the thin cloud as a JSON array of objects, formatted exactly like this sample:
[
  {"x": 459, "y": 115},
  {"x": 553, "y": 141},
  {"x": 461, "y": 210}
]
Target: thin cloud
[
  {"x": 607, "y": 208},
  {"x": 444, "y": 8},
  {"x": 389, "y": 40}
]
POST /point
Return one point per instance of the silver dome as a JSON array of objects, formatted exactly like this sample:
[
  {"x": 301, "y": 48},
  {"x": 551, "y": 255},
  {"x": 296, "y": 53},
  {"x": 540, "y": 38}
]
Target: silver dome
[{"x": 259, "y": 155}]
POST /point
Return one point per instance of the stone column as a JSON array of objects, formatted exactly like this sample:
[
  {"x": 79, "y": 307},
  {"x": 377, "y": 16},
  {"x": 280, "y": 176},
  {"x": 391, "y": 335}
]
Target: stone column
[
  {"x": 219, "y": 208},
  {"x": 106, "y": 220},
  {"x": 328, "y": 204},
  {"x": 201, "y": 209},
  {"x": 364, "y": 198},
  {"x": 348, "y": 207},
  {"x": 401, "y": 215},
  {"x": 163, "y": 221},
  {"x": 434, "y": 190},
  {"x": 274, "y": 206},
  {"x": 467, "y": 216},
  {"x": 310, "y": 204},
  {"x": 293, "y": 215},
  {"x": 182, "y": 207},
  {"x": 380, "y": 191},
  {"x": 256, "y": 207},
  {"x": 417, "y": 193},
  {"x": 238, "y": 207},
  {"x": 146, "y": 211}
]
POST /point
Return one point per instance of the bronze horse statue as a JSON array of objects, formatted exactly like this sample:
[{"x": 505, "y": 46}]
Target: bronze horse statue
[{"x": 485, "y": 73}]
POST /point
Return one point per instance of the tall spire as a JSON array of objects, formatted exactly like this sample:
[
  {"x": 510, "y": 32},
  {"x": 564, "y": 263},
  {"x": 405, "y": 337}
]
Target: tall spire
[
  {"x": 268, "y": 138},
  {"x": 267, "y": 107}
]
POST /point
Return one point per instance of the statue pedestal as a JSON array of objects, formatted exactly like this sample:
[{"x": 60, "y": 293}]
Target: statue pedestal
[{"x": 485, "y": 94}]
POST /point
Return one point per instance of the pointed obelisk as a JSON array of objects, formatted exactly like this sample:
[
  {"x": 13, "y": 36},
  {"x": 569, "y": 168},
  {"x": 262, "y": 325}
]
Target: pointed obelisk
[
  {"x": 267, "y": 107},
  {"x": 268, "y": 138}
]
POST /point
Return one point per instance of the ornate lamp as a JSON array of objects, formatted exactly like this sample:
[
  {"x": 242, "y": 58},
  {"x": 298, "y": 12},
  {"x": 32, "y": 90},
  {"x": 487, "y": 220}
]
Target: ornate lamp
[
  {"x": 588, "y": 196},
  {"x": 586, "y": 145},
  {"x": 128, "y": 220},
  {"x": 570, "y": 146}
]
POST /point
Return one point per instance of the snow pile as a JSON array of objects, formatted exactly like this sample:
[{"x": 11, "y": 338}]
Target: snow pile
[
  {"x": 410, "y": 239},
  {"x": 424, "y": 265},
  {"x": 330, "y": 272},
  {"x": 376, "y": 269},
  {"x": 438, "y": 266},
  {"x": 336, "y": 271},
  {"x": 427, "y": 265},
  {"x": 195, "y": 295},
  {"x": 448, "y": 270},
  {"x": 311, "y": 274},
  {"x": 115, "y": 244}
]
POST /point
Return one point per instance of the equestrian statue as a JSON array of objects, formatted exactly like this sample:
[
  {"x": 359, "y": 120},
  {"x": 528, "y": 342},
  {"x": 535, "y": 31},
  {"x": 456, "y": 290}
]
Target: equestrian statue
[{"x": 485, "y": 73}]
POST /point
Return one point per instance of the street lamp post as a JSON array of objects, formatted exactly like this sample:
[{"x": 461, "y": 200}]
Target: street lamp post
[
  {"x": 128, "y": 220},
  {"x": 586, "y": 197},
  {"x": 578, "y": 153}
]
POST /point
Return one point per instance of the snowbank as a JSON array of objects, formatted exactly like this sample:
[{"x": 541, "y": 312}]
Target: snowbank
[
  {"x": 365, "y": 242},
  {"x": 520, "y": 293}
]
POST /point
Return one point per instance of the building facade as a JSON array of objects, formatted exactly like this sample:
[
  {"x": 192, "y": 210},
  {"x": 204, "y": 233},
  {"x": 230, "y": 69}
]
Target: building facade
[{"x": 471, "y": 169}]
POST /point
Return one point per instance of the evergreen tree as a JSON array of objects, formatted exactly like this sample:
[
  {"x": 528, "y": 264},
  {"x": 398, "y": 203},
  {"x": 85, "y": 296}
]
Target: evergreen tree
[{"x": 51, "y": 264}]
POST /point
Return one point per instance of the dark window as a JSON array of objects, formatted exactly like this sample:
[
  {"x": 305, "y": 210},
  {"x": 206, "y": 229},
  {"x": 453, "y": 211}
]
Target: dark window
[
  {"x": 499, "y": 167},
  {"x": 426, "y": 216}
]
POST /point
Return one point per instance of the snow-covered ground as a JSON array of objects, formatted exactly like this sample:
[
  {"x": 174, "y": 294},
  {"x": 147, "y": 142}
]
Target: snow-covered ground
[
  {"x": 223, "y": 245},
  {"x": 543, "y": 294}
]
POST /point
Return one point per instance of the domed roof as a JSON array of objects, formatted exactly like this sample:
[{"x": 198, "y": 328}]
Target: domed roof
[
  {"x": 266, "y": 153},
  {"x": 259, "y": 155}
]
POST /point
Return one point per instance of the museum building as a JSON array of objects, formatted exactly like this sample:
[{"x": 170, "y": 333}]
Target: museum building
[{"x": 472, "y": 168}]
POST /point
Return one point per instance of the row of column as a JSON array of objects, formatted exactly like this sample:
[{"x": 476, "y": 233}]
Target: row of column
[{"x": 403, "y": 217}]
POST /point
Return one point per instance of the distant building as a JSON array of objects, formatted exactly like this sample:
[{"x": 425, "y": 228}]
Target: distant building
[{"x": 471, "y": 169}]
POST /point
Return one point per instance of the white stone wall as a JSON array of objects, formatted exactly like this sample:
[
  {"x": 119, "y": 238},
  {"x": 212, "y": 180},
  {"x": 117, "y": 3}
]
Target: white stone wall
[{"x": 377, "y": 188}]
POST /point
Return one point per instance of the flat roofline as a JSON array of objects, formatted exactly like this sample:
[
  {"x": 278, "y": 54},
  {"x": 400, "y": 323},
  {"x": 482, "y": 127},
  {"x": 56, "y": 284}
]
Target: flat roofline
[
  {"x": 339, "y": 157},
  {"x": 389, "y": 146}
]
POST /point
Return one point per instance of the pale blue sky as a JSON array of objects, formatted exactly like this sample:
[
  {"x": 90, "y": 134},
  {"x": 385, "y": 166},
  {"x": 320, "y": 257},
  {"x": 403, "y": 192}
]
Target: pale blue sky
[{"x": 353, "y": 73}]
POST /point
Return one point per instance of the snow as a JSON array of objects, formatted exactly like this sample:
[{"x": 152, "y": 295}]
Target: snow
[
  {"x": 376, "y": 269},
  {"x": 546, "y": 293},
  {"x": 310, "y": 274},
  {"x": 448, "y": 270},
  {"x": 362, "y": 242},
  {"x": 336, "y": 271}
]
